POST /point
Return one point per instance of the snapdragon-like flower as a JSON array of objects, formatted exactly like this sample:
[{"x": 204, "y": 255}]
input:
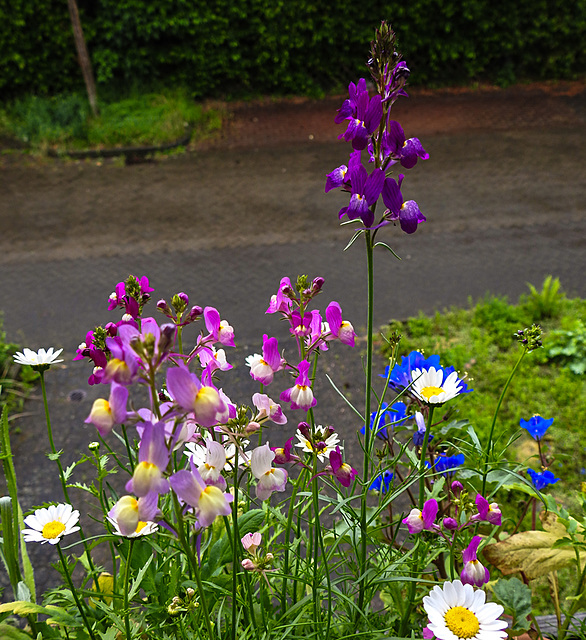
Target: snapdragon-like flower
[
  {"x": 536, "y": 426},
  {"x": 407, "y": 152},
  {"x": 474, "y": 572},
  {"x": 280, "y": 302},
  {"x": 300, "y": 395},
  {"x": 191, "y": 395},
  {"x": 106, "y": 413},
  {"x": 213, "y": 359},
  {"x": 142, "y": 529},
  {"x": 406, "y": 212},
  {"x": 39, "y": 360},
  {"x": 283, "y": 455},
  {"x": 129, "y": 512},
  {"x": 487, "y": 512},
  {"x": 418, "y": 520},
  {"x": 341, "y": 470},
  {"x": 213, "y": 465},
  {"x": 341, "y": 329},
  {"x": 263, "y": 368},
  {"x": 364, "y": 192},
  {"x": 251, "y": 541},
  {"x": 364, "y": 116},
  {"x": 153, "y": 458},
  {"x": 542, "y": 479},
  {"x": 269, "y": 478},
  {"x": 457, "y": 612},
  {"x": 209, "y": 501},
  {"x": 268, "y": 409},
  {"x": 219, "y": 329},
  {"x": 50, "y": 524}
]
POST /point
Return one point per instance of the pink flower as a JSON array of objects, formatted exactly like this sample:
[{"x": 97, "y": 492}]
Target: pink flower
[
  {"x": 300, "y": 394},
  {"x": 487, "y": 512},
  {"x": 263, "y": 368},
  {"x": 340, "y": 329},
  {"x": 219, "y": 329},
  {"x": 418, "y": 520},
  {"x": 280, "y": 302},
  {"x": 343, "y": 472},
  {"x": 268, "y": 409},
  {"x": 269, "y": 478},
  {"x": 153, "y": 458},
  {"x": 251, "y": 541},
  {"x": 474, "y": 572}
]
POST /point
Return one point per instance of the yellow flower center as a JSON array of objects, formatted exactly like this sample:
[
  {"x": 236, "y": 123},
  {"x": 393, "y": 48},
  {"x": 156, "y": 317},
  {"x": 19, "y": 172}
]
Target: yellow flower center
[
  {"x": 428, "y": 392},
  {"x": 53, "y": 529},
  {"x": 141, "y": 526},
  {"x": 462, "y": 622}
]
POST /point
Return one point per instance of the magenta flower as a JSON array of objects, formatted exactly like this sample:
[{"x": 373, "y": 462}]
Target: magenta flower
[
  {"x": 283, "y": 454},
  {"x": 407, "y": 152},
  {"x": 343, "y": 472},
  {"x": 365, "y": 190},
  {"x": 268, "y": 409},
  {"x": 341, "y": 329},
  {"x": 300, "y": 326},
  {"x": 280, "y": 302},
  {"x": 407, "y": 213},
  {"x": 300, "y": 394},
  {"x": 263, "y": 368},
  {"x": 418, "y": 520},
  {"x": 474, "y": 572},
  {"x": 220, "y": 329},
  {"x": 487, "y": 512}
]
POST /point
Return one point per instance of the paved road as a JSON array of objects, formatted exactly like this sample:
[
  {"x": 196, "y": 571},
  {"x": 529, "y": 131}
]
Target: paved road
[{"x": 505, "y": 206}]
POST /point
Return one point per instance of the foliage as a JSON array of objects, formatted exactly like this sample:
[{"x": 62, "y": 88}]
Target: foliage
[
  {"x": 222, "y": 48},
  {"x": 479, "y": 341},
  {"x": 14, "y": 385},
  {"x": 568, "y": 348},
  {"x": 65, "y": 122}
]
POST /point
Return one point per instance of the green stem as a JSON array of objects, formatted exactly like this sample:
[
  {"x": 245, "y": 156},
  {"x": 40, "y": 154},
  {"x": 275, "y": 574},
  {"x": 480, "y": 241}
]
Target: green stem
[
  {"x": 489, "y": 444},
  {"x": 288, "y": 528},
  {"x": 367, "y": 435},
  {"x": 74, "y": 593},
  {"x": 423, "y": 455},
  {"x": 126, "y": 587}
]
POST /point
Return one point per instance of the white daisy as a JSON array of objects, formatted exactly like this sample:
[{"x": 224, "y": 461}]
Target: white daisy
[
  {"x": 458, "y": 612},
  {"x": 320, "y": 447},
  {"x": 430, "y": 387},
  {"x": 142, "y": 529},
  {"x": 51, "y": 524},
  {"x": 41, "y": 358}
]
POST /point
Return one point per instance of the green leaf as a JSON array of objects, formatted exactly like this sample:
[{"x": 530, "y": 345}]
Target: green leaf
[
  {"x": 56, "y": 615},
  {"x": 8, "y": 632},
  {"x": 515, "y": 596},
  {"x": 139, "y": 577}
]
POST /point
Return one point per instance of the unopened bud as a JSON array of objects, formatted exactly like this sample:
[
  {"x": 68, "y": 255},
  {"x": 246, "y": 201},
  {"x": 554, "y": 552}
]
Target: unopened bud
[
  {"x": 252, "y": 427},
  {"x": 164, "y": 307},
  {"x": 167, "y": 338},
  {"x": 93, "y": 446},
  {"x": 111, "y": 329},
  {"x": 317, "y": 284},
  {"x": 457, "y": 487},
  {"x": 303, "y": 428},
  {"x": 195, "y": 312},
  {"x": 450, "y": 523}
]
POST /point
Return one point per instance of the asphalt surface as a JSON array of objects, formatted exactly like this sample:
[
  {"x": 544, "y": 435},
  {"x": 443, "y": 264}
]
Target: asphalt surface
[{"x": 504, "y": 192}]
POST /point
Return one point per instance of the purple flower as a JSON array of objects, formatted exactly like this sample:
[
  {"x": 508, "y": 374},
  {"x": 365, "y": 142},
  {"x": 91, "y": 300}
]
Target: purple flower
[
  {"x": 406, "y": 212},
  {"x": 341, "y": 329},
  {"x": 474, "y": 572},
  {"x": 153, "y": 458},
  {"x": 541, "y": 479},
  {"x": 343, "y": 472},
  {"x": 365, "y": 191},
  {"x": 300, "y": 394},
  {"x": 418, "y": 520},
  {"x": 364, "y": 115},
  {"x": 407, "y": 152},
  {"x": 536, "y": 426},
  {"x": 340, "y": 177},
  {"x": 419, "y": 435},
  {"x": 487, "y": 512}
]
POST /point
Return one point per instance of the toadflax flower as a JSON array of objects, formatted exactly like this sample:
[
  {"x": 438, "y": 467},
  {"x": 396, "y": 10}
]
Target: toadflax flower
[
  {"x": 300, "y": 394},
  {"x": 51, "y": 524},
  {"x": 474, "y": 572},
  {"x": 39, "y": 360},
  {"x": 457, "y": 611},
  {"x": 487, "y": 512},
  {"x": 263, "y": 368},
  {"x": 418, "y": 520},
  {"x": 406, "y": 212},
  {"x": 269, "y": 478}
]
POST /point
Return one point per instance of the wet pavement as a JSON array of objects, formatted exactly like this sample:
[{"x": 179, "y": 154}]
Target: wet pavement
[{"x": 504, "y": 193}]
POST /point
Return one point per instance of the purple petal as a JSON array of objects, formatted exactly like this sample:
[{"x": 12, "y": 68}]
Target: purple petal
[
  {"x": 392, "y": 196},
  {"x": 374, "y": 185},
  {"x": 410, "y": 216}
]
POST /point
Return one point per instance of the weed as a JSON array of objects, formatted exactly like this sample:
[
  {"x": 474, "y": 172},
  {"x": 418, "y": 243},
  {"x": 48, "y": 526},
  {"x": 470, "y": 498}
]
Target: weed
[{"x": 546, "y": 303}]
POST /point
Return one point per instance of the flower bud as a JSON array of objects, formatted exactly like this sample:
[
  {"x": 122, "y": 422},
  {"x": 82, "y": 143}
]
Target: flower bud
[
  {"x": 450, "y": 524},
  {"x": 252, "y": 427},
  {"x": 456, "y": 487},
  {"x": 248, "y": 564}
]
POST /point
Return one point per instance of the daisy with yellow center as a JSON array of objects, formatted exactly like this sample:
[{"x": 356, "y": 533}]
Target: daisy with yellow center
[
  {"x": 51, "y": 524},
  {"x": 457, "y": 611},
  {"x": 433, "y": 386}
]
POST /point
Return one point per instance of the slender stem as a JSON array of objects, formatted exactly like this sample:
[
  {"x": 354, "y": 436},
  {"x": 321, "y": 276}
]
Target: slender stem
[
  {"x": 288, "y": 528},
  {"x": 126, "y": 587},
  {"x": 489, "y": 444},
  {"x": 423, "y": 455},
  {"x": 74, "y": 593},
  {"x": 367, "y": 434}
]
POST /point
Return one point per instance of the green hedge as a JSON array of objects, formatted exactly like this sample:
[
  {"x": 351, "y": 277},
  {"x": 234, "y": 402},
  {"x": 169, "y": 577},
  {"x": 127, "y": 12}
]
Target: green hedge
[{"x": 243, "y": 47}]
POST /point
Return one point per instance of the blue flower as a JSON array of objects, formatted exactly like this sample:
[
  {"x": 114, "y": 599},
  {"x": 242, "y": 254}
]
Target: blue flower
[
  {"x": 536, "y": 426},
  {"x": 401, "y": 373},
  {"x": 389, "y": 416},
  {"x": 447, "y": 464},
  {"x": 381, "y": 482},
  {"x": 541, "y": 479}
]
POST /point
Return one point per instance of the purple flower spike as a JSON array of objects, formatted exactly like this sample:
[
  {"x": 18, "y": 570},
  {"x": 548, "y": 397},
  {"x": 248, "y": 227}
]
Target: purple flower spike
[
  {"x": 407, "y": 213},
  {"x": 365, "y": 192},
  {"x": 474, "y": 572}
]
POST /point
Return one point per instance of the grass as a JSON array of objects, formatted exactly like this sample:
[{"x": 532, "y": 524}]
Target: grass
[
  {"x": 64, "y": 122},
  {"x": 479, "y": 341}
]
